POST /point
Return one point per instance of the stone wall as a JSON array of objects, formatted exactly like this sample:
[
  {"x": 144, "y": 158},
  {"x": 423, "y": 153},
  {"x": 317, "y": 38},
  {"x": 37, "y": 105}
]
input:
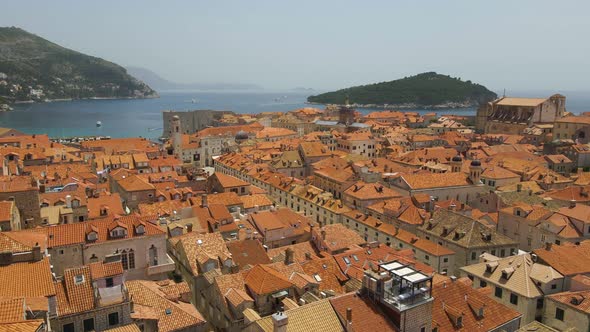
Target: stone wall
[
  {"x": 28, "y": 206},
  {"x": 190, "y": 121}
]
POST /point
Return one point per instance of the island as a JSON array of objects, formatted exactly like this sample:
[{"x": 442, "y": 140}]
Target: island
[
  {"x": 33, "y": 69},
  {"x": 423, "y": 91}
]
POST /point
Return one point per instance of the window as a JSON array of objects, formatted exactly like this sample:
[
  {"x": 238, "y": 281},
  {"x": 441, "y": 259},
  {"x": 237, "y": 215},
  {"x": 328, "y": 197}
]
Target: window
[
  {"x": 482, "y": 283},
  {"x": 445, "y": 260},
  {"x": 78, "y": 279},
  {"x": 554, "y": 286},
  {"x": 502, "y": 252},
  {"x": 473, "y": 255},
  {"x": 88, "y": 325},
  {"x": 68, "y": 327},
  {"x": 540, "y": 303},
  {"x": 559, "y": 313},
  {"x": 128, "y": 259},
  {"x": 498, "y": 292},
  {"x": 110, "y": 282},
  {"x": 113, "y": 318},
  {"x": 513, "y": 299}
]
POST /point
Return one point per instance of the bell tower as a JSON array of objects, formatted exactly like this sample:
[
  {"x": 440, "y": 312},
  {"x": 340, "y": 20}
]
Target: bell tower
[{"x": 176, "y": 137}]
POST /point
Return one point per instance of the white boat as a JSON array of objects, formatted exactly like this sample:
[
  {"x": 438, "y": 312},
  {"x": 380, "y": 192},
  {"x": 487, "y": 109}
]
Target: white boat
[{"x": 98, "y": 123}]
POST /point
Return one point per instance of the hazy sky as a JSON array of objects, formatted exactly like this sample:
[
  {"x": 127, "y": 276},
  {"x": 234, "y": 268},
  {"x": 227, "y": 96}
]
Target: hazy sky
[{"x": 516, "y": 44}]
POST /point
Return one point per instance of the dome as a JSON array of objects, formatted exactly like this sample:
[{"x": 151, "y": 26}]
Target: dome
[
  {"x": 476, "y": 163},
  {"x": 242, "y": 135},
  {"x": 457, "y": 158},
  {"x": 175, "y": 117}
]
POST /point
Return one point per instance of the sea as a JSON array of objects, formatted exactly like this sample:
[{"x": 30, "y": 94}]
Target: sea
[{"x": 143, "y": 117}]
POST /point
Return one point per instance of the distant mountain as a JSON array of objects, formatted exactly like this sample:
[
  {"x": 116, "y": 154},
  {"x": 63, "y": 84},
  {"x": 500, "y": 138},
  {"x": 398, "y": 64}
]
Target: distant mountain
[
  {"x": 162, "y": 84},
  {"x": 302, "y": 89},
  {"x": 36, "y": 69},
  {"x": 427, "y": 90}
]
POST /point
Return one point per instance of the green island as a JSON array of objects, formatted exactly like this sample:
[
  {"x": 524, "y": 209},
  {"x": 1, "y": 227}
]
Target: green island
[
  {"x": 426, "y": 90},
  {"x": 35, "y": 69}
]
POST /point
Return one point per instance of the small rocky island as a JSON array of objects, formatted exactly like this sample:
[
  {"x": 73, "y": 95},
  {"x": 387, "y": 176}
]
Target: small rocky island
[
  {"x": 34, "y": 69},
  {"x": 423, "y": 91}
]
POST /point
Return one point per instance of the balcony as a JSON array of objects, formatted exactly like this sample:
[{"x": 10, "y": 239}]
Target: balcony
[
  {"x": 164, "y": 265},
  {"x": 111, "y": 295}
]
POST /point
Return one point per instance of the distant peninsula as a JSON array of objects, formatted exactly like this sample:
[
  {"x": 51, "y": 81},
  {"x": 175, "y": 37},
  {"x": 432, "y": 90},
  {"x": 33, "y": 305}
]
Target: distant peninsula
[
  {"x": 162, "y": 84},
  {"x": 423, "y": 91},
  {"x": 35, "y": 69}
]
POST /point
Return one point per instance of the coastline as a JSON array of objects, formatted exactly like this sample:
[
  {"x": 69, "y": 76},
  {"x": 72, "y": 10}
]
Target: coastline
[
  {"x": 409, "y": 106},
  {"x": 17, "y": 102}
]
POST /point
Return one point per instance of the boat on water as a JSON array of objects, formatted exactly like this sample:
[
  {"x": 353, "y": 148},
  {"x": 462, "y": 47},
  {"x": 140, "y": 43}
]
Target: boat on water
[
  {"x": 194, "y": 101},
  {"x": 98, "y": 124}
]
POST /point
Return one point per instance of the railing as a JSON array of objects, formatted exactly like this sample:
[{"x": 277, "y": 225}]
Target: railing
[{"x": 405, "y": 298}]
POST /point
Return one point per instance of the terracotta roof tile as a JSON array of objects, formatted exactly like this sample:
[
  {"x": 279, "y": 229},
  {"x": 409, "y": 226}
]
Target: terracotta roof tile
[
  {"x": 100, "y": 270},
  {"x": 172, "y": 315},
  {"x": 27, "y": 279},
  {"x": 262, "y": 279},
  {"x": 366, "y": 315},
  {"x": 74, "y": 296}
]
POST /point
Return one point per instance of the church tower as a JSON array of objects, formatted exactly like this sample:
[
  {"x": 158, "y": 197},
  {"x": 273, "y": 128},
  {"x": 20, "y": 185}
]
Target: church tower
[
  {"x": 475, "y": 171},
  {"x": 456, "y": 163},
  {"x": 176, "y": 137}
]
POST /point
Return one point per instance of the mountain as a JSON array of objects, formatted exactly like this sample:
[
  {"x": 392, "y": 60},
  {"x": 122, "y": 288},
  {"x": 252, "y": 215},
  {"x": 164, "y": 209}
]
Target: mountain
[
  {"x": 426, "y": 90},
  {"x": 36, "y": 69},
  {"x": 162, "y": 84}
]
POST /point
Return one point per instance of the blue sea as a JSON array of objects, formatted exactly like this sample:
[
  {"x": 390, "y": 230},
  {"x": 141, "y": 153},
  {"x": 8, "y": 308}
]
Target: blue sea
[{"x": 143, "y": 117}]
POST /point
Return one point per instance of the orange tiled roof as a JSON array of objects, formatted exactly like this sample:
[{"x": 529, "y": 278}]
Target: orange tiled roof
[
  {"x": 579, "y": 301},
  {"x": 69, "y": 234},
  {"x": 112, "y": 202},
  {"x": 262, "y": 279},
  {"x": 27, "y": 279},
  {"x": 458, "y": 299},
  {"x": 366, "y": 315},
  {"x": 247, "y": 253},
  {"x": 369, "y": 191},
  {"x": 171, "y": 315},
  {"x": 568, "y": 259},
  {"x": 100, "y": 270},
  {"x": 75, "y": 297},
  {"x": 12, "y": 310}
]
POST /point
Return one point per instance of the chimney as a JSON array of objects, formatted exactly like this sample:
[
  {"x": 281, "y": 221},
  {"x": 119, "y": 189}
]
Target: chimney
[
  {"x": 37, "y": 252},
  {"x": 279, "y": 322},
  {"x": 453, "y": 207},
  {"x": 453, "y": 278},
  {"x": 42, "y": 188},
  {"x": 572, "y": 203},
  {"x": 431, "y": 204},
  {"x": 323, "y": 235},
  {"x": 288, "y": 256},
  {"x": 189, "y": 228},
  {"x": 204, "y": 200},
  {"x": 69, "y": 201},
  {"x": 519, "y": 187},
  {"x": 307, "y": 256},
  {"x": 348, "y": 327},
  {"x": 548, "y": 246}
]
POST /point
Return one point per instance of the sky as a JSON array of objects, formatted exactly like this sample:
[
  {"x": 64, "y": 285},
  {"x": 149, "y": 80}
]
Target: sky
[{"x": 322, "y": 44}]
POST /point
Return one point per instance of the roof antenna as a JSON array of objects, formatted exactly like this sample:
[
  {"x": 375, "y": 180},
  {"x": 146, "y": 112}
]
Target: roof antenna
[{"x": 504, "y": 95}]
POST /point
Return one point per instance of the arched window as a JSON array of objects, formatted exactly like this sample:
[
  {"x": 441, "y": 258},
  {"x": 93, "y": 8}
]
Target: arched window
[{"x": 153, "y": 254}]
